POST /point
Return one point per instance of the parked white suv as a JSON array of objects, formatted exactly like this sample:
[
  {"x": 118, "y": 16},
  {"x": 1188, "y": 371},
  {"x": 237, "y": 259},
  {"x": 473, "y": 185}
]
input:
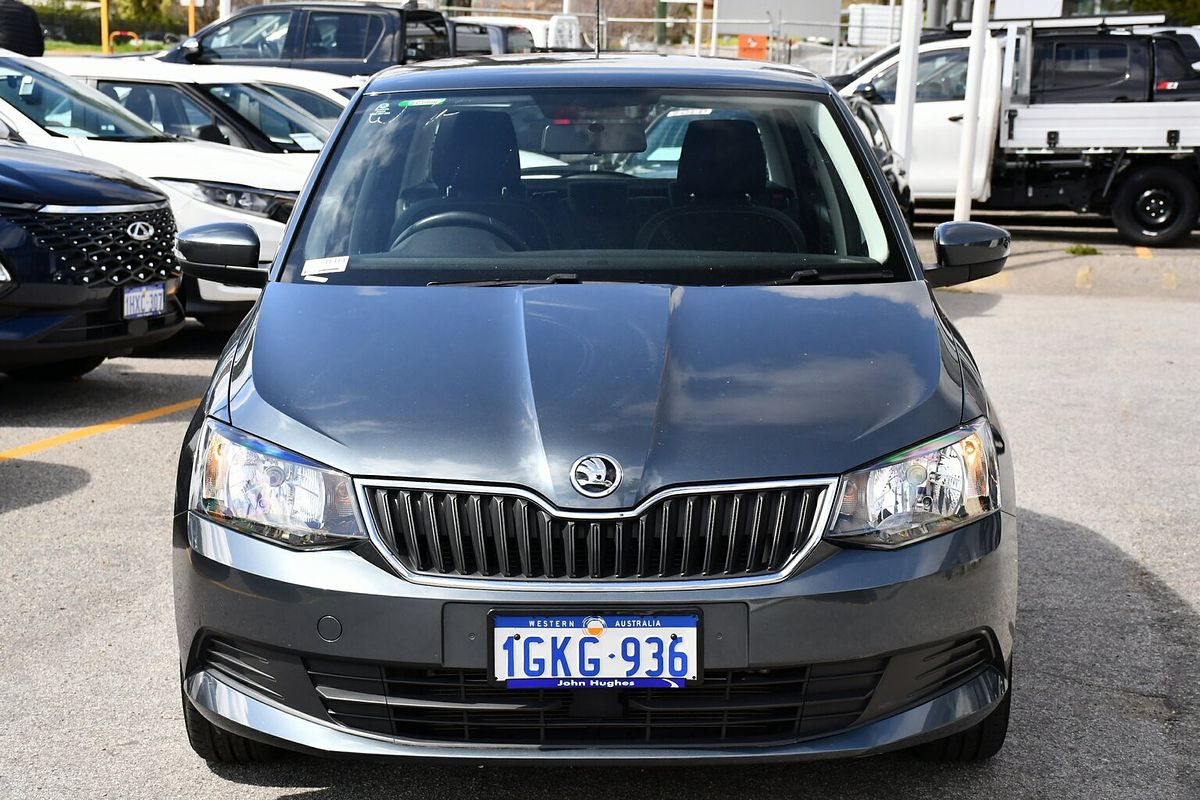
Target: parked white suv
[{"x": 205, "y": 182}]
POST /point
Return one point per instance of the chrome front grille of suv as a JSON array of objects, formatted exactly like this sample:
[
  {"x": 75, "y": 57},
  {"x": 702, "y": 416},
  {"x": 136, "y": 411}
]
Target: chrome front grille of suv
[
  {"x": 93, "y": 247},
  {"x": 736, "y": 531}
]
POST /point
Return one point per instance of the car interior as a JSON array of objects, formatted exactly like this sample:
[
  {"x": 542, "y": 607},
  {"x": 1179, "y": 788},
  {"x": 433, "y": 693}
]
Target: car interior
[{"x": 482, "y": 178}]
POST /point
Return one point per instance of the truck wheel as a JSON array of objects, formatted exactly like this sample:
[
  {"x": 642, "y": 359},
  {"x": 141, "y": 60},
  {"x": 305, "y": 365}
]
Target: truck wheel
[
  {"x": 1156, "y": 206},
  {"x": 977, "y": 743},
  {"x": 57, "y": 371},
  {"x": 213, "y": 744}
]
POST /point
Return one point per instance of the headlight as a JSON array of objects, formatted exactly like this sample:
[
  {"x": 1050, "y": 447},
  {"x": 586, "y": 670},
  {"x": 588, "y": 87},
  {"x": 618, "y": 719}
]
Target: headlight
[
  {"x": 275, "y": 205},
  {"x": 924, "y": 491},
  {"x": 258, "y": 488},
  {"x": 4, "y": 276}
]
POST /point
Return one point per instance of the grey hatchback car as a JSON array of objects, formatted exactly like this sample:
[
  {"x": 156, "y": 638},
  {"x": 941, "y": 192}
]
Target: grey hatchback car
[{"x": 524, "y": 454}]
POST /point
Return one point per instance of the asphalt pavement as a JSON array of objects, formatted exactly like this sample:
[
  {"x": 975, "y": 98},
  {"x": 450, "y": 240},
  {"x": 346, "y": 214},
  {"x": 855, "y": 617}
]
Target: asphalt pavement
[{"x": 1093, "y": 360}]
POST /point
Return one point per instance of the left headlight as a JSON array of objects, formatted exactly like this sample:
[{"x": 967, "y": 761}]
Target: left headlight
[
  {"x": 263, "y": 490},
  {"x": 261, "y": 203},
  {"x": 921, "y": 492}
]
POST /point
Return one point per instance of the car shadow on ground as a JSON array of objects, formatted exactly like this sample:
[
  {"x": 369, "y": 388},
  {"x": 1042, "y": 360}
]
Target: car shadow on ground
[
  {"x": 1105, "y": 705},
  {"x": 28, "y": 483}
]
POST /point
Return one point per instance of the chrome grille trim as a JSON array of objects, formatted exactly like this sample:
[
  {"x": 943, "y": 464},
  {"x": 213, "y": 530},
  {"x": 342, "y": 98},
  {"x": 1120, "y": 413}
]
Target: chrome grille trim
[{"x": 626, "y": 521}]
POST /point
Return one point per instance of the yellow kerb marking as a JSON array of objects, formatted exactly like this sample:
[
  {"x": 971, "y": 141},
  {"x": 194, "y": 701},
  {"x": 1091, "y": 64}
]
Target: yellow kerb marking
[
  {"x": 1170, "y": 281},
  {"x": 1143, "y": 252},
  {"x": 94, "y": 430}
]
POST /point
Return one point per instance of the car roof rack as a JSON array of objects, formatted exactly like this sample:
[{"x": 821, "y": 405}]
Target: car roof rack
[{"x": 1061, "y": 23}]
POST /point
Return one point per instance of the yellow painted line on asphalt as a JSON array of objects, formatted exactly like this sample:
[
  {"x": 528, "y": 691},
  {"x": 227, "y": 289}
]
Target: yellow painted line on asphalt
[
  {"x": 95, "y": 430},
  {"x": 1170, "y": 281},
  {"x": 1144, "y": 252},
  {"x": 1083, "y": 278}
]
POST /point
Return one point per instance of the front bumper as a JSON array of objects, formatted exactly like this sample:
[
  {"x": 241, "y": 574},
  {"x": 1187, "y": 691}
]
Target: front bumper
[
  {"x": 843, "y": 605},
  {"x": 43, "y": 324}
]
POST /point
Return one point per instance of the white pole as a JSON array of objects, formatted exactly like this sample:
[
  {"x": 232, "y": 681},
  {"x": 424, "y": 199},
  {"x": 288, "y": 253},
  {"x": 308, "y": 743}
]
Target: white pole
[
  {"x": 891, "y": 21},
  {"x": 970, "y": 129},
  {"x": 906, "y": 79},
  {"x": 712, "y": 44},
  {"x": 699, "y": 22},
  {"x": 224, "y": 8},
  {"x": 833, "y": 60}
]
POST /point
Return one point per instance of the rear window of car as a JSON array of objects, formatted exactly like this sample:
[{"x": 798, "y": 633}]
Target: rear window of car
[{"x": 605, "y": 184}]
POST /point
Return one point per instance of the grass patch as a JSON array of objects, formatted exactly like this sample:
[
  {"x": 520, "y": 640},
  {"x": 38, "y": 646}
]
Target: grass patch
[
  {"x": 54, "y": 47},
  {"x": 1082, "y": 250}
]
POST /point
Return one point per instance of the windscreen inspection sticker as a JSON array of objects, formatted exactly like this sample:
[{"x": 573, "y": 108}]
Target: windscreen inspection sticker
[
  {"x": 384, "y": 110},
  {"x": 315, "y": 268}
]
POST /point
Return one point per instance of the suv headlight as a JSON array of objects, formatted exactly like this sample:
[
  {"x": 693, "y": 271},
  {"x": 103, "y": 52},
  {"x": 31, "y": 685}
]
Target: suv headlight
[
  {"x": 4, "y": 276},
  {"x": 921, "y": 492},
  {"x": 261, "y": 203},
  {"x": 261, "y": 489}
]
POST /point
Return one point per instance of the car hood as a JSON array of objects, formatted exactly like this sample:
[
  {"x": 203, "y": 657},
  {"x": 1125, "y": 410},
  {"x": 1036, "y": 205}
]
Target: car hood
[
  {"x": 47, "y": 177},
  {"x": 188, "y": 161},
  {"x": 512, "y": 385}
]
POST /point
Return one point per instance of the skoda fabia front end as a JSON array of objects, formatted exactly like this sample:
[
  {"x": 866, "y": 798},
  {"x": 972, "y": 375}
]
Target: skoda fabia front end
[{"x": 546, "y": 442}]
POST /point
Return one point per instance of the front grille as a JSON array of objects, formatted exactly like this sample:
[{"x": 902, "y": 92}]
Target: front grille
[
  {"x": 705, "y": 534},
  {"x": 97, "y": 249},
  {"x": 728, "y": 707}
]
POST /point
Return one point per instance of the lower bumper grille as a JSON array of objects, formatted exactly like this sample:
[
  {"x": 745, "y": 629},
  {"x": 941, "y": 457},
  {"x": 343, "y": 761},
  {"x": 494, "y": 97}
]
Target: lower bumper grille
[{"x": 728, "y": 707}]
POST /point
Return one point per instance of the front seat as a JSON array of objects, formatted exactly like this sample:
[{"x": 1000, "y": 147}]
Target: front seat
[
  {"x": 719, "y": 188},
  {"x": 475, "y": 169}
]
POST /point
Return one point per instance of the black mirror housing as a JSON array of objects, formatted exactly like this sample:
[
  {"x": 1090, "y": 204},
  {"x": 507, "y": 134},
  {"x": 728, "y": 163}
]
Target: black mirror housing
[
  {"x": 868, "y": 93},
  {"x": 225, "y": 252},
  {"x": 967, "y": 251}
]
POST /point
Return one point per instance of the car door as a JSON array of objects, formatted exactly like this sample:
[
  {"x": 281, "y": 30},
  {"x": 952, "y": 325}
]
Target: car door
[
  {"x": 342, "y": 41},
  {"x": 937, "y": 117},
  {"x": 259, "y": 37}
]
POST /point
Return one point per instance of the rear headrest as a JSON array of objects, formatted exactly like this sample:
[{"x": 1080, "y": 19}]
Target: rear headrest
[
  {"x": 722, "y": 158},
  {"x": 475, "y": 155},
  {"x": 140, "y": 102}
]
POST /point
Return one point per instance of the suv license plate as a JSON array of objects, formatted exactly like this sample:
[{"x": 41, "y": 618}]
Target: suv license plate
[
  {"x": 145, "y": 301},
  {"x": 595, "y": 651}
]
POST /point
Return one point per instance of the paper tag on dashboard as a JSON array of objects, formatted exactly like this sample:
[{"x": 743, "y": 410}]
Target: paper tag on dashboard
[{"x": 324, "y": 266}]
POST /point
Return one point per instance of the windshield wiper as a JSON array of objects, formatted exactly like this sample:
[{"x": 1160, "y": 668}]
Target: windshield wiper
[
  {"x": 558, "y": 277},
  {"x": 832, "y": 275}
]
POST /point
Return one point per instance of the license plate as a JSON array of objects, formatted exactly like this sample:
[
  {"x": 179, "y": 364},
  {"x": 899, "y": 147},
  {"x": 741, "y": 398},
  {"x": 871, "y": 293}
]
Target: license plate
[
  {"x": 595, "y": 651},
  {"x": 145, "y": 301}
]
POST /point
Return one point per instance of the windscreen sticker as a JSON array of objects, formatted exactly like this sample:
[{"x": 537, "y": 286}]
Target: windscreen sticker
[
  {"x": 380, "y": 114},
  {"x": 314, "y": 268},
  {"x": 420, "y": 101}
]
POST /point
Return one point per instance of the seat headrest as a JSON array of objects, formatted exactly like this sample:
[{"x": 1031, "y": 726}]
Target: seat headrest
[
  {"x": 140, "y": 103},
  {"x": 475, "y": 155},
  {"x": 722, "y": 158}
]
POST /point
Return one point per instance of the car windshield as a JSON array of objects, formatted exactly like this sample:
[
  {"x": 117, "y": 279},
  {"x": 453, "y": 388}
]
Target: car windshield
[
  {"x": 594, "y": 184},
  {"x": 64, "y": 107},
  {"x": 285, "y": 124},
  {"x": 321, "y": 108}
]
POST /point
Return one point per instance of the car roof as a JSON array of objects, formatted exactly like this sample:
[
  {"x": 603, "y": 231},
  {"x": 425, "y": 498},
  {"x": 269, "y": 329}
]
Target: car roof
[
  {"x": 154, "y": 70},
  {"x": 573, "y": 70}
]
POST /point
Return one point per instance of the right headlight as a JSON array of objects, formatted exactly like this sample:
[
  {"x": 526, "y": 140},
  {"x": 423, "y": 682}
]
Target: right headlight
[
  {"x": 261, "y": 489},
  {"x": 259, "y": 202},
  {"x": 921, "y": 492}
]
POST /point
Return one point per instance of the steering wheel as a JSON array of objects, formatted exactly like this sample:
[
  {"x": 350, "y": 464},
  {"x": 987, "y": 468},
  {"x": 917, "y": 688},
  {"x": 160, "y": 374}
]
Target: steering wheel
[{"x": 463, "y": 219}]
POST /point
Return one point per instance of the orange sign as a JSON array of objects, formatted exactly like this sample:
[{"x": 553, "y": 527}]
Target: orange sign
[{"x": 752, "y": 46}]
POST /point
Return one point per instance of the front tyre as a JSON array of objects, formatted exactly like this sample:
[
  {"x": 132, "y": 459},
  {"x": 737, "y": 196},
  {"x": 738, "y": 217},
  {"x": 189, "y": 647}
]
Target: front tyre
[
  {"x": 978, "y": 743},
  {"x": 1156, "y": 206},
  {"x": 213, "y": 744}
]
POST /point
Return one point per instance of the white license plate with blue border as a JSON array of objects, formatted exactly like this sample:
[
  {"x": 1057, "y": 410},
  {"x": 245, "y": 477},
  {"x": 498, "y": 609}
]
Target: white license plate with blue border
[
  {"x": 595, "y": 651},
  {"x": 145, "y": 301}
]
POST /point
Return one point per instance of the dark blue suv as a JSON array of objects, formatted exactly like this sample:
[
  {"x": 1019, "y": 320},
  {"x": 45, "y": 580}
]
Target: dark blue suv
[{"x": 86, "y": 265}]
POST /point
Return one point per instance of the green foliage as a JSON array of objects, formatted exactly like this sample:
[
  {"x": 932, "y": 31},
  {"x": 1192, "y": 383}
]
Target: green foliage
[
  {"x": 1180, "y": 12},
  {"x": 1082, "y": 250}
]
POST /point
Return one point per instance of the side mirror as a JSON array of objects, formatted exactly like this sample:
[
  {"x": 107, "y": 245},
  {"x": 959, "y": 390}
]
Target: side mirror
[
  {"x": 867, "y": 92},
  {"x": 967, "y": 251},
  {"x": 192, "y": 49},
  {"x": 211, "y": 132},
  {"x": 225, "y": 252}
]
